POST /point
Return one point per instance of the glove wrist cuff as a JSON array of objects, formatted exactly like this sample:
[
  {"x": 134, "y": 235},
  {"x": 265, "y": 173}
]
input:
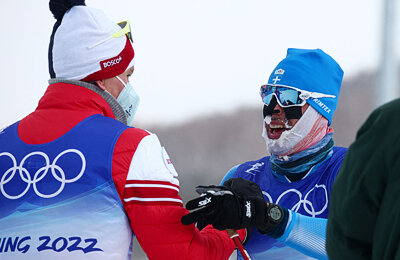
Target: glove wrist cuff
[{"x": 276, "y": 220}]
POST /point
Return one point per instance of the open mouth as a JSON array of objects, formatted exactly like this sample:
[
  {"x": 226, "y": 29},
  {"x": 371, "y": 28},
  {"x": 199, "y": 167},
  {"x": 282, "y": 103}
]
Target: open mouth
[{"x": 275, "y": 128}]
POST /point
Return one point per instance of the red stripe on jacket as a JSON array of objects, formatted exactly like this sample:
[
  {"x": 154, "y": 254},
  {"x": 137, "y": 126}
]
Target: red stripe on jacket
[{"x": 152, "y": 192}]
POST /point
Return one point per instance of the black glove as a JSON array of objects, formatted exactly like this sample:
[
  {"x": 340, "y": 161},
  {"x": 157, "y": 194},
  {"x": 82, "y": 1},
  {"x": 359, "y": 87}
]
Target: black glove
[
  {"x": 237, "y": 204},
  {"x": 269, "y": 218},
  {"x": 212, "y": 207}
]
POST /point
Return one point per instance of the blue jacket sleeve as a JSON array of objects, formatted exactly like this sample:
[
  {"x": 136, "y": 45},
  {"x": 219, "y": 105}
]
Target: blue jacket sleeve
[
  {"x": 306, "y": 234},
  {"x": 229, "y": 174}
]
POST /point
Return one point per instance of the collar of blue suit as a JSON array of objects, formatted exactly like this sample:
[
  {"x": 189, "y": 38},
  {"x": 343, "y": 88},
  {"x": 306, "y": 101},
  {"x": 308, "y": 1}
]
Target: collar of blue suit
[{"x": 296, "y": 166}]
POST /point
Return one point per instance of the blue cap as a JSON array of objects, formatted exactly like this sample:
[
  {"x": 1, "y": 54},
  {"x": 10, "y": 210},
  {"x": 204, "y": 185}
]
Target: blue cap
[{"x": 314, "y": 71}]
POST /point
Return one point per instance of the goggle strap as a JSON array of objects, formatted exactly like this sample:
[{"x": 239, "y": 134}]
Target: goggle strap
[{"x": 99, "y": 42}]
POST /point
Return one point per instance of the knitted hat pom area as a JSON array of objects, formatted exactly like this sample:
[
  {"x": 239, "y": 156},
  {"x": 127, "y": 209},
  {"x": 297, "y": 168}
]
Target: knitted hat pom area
[{"x": 59, "y": 7}]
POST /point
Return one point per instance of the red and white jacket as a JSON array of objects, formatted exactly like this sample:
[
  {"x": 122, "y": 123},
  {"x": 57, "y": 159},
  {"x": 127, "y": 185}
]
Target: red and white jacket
[{"x": 143, "y": 174}]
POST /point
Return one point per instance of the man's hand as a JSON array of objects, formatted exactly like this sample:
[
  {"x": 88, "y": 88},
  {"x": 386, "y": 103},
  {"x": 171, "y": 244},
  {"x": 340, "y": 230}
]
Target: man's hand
[{"x": 237, "y": 204}]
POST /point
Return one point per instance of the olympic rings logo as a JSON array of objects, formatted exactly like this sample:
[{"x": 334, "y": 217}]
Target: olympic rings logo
[
  {"x": 57, "y": 172},
  {"x": 307, "y": 205}
]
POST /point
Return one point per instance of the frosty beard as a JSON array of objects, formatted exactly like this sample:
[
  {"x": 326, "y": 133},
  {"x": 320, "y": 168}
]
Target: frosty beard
[{"x": 309, "y": 130}]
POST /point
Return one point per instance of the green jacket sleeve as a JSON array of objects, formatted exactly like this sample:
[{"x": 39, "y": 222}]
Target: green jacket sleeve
[{"x": 365, "y": 198}]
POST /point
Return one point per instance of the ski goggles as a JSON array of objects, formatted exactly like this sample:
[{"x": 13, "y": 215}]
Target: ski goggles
[
  {"x": 125, "y": 30},
  {"x": 288, "y": 96}
]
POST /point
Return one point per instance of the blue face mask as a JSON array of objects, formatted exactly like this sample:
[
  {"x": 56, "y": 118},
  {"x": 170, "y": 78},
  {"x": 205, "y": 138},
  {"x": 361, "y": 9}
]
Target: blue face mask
[{"x": 129, "y": 100}]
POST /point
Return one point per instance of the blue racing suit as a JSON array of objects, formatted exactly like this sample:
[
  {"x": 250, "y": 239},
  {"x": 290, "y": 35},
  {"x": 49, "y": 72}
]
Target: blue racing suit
[{"x": 308, "y": 203}]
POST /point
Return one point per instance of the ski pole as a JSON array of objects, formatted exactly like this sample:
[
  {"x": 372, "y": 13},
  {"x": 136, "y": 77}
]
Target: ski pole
[{"x": 235, "y": 237}]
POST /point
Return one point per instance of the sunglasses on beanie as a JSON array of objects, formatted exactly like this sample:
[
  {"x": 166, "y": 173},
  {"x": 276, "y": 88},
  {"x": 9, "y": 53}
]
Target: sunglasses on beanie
[
  {"x": 125, "y": 30},
  {"x": 288, "y": 96}
]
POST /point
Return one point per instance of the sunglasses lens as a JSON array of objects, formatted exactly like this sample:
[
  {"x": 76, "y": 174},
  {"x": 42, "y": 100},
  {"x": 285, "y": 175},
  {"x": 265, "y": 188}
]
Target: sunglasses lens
[
  {"x": 122, "y": 24},
  {"x": 289, "y": 97},
  {"x": 130, "y": 34},
  {"x": 286, "y": 96},
  {"x": 266, "y": 93}
]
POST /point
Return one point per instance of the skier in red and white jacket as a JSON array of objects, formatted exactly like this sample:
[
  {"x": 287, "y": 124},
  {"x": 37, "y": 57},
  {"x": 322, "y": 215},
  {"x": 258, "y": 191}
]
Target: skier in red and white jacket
[{"x": 76, "y": 182}]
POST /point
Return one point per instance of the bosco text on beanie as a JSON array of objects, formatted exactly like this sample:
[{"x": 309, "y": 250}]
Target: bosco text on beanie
[{"x": 77, "y": 28}]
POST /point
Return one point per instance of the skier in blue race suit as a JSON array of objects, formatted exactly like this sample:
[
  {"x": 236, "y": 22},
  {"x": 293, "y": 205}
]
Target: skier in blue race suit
[{"x": 296, "y": 179}]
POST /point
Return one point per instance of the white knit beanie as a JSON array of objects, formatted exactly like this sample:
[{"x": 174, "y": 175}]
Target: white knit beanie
[{"x": 77, "y": 28}]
